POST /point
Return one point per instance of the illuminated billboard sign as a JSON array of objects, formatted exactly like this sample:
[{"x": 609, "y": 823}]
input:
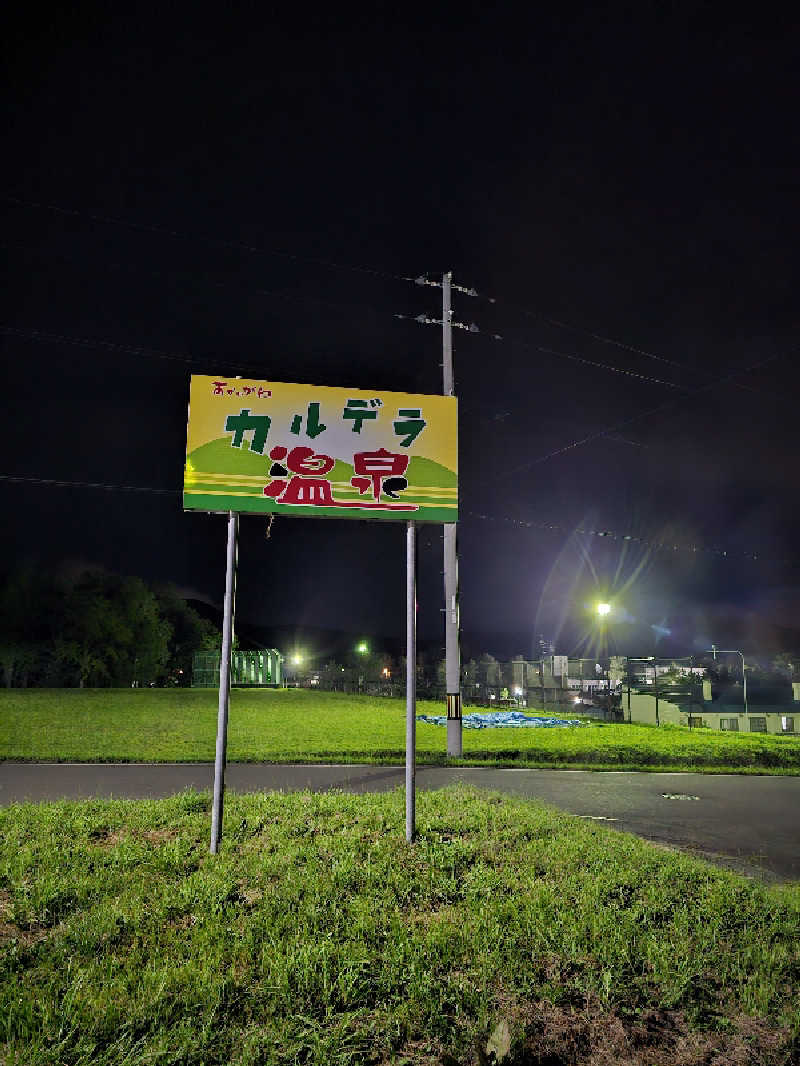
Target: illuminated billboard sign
[{"x": 266, "y": 447}]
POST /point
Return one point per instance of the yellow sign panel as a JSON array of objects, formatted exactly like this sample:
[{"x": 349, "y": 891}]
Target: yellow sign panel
[{"x": 271, "y": 447}]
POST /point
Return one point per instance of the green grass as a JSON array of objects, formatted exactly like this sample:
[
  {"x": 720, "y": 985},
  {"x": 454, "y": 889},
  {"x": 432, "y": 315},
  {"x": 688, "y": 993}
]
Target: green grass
[
  {"x": 318, "y": 936},
  {"x": 294, "y": 725}
]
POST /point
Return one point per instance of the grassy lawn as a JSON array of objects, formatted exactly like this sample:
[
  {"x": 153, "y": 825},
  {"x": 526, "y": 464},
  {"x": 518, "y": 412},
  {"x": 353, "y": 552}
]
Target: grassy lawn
[
  {"x": 508, "y": 932},
  {"x": 295, "y": 725}
]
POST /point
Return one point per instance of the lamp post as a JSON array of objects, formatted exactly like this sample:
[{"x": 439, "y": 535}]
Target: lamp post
[
  {"x": 603, "y": 611},
  {"x": 362, "y": 648},
  {"x": 734, "y": 651},
  {"x": 643, "y": 659}
]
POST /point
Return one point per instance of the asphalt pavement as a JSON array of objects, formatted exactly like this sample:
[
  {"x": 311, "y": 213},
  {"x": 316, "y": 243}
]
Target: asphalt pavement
[{"x": 748, "y": 823}]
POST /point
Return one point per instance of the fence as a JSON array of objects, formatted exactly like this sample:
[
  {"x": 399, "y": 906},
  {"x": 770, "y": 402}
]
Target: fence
[{"x": 254, "y": 669}]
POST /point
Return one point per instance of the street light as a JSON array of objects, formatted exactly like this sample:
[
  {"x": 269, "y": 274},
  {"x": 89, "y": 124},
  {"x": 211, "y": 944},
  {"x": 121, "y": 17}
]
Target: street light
[
  {"x": 603, "y": 610},
  {"x": 362, "y": 647},
  {"x": 734, "y": 651},
  {"x": 642, "y": 659}
]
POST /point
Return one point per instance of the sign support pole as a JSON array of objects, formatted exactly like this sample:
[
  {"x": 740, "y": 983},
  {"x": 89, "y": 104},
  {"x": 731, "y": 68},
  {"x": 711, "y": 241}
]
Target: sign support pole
[
  {"x": 451, "y": 620},
  {"x": 411, "y": 680},
  {"x": 224, "y": 680}
]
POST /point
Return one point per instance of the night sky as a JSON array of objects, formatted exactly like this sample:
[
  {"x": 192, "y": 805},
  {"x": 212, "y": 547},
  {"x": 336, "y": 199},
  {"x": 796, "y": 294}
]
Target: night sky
[{"x": 224, "y": 195}]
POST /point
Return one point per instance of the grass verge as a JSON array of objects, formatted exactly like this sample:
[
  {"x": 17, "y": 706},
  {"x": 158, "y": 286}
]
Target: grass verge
[
  {"x": 294, "y": 725},
  {"x": 508, "y": 932}
]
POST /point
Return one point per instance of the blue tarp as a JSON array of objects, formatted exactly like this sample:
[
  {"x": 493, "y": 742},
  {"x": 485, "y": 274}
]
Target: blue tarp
[{"x": 503, "y": 720}]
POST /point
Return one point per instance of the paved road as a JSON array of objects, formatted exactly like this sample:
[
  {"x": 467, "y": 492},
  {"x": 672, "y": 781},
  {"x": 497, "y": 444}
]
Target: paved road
[{"x": 751, "y": 824}]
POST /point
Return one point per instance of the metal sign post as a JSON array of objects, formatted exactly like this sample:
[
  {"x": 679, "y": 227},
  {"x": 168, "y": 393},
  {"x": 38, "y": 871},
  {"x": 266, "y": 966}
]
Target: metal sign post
[
  {"x": 411, "y": 680},
  {"x": 224, "y": 681}
]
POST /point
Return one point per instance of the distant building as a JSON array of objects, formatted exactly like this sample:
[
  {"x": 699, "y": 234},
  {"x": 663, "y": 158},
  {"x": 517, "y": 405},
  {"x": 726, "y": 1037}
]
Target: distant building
[
  {"x": 254, "y": 669},
  {"x": 545, "y": 647},
  {"x": 645, "y": 708},
  {"x": 692, "y": 702}
]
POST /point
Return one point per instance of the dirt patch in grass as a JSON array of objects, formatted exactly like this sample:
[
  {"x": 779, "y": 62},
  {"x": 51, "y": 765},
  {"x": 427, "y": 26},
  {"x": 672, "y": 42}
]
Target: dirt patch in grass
[
  {"x": 9, "y": 930},
  {"x": 110, "y": 838},
  {"x": 25, "y": 937},
  {"x": 545, "y": 1034},
  {"x": 434, "y": 915},
  {"x": 591, "y": 1035}
]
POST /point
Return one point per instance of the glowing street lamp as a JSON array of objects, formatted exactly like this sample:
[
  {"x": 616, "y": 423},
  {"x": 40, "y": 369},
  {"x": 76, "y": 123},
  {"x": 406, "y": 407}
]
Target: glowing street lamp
[
  {"x": 603, "y": 609},
  {"x": 297, "y": 658},
  {"x": 362, "y": 648}
]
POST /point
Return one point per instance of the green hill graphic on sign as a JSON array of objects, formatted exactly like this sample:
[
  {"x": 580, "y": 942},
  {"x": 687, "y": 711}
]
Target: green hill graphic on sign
[
  {"x": 219, "y": 457},
  {"x": 219, "y": 477}
]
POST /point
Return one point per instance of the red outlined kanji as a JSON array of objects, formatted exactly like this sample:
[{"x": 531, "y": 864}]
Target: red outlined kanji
[{"x": 373, "y": 467}]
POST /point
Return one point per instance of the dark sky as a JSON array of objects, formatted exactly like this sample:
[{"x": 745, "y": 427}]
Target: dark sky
[{"x": 225, "y": 194}]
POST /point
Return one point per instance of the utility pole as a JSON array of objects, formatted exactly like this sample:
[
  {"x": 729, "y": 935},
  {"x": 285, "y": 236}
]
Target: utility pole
[
  {"x": 451, "y": 613},
  {"x": 451, "y": 620}
]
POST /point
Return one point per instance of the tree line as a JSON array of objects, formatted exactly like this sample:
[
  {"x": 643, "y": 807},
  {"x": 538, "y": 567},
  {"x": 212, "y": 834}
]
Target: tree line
[{"x": 91, "y": 628}]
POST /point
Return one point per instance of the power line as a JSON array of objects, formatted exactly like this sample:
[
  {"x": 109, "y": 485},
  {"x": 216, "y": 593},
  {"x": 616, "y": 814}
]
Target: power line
[
  {"x": 473, "y": 328},
  {"x": 602, "y": 339},
  {"x": 199, "y": 282},
  {"x": 305, "y": 299},
  {"x": 645, "y": 414},
  {"x": 560, "y": 324},
  {"x": 651, "y": 355},
  {"x": 61, "y": 338},
  {"x": 426, "y": 320},
  {"x": 602, "y": 366},
  {"x": 420, "y": 280},
  {"x": 175, "y": 234},
  {"x": 165, "y": 231},
  {"x": 717, "y": 381},
  {"x": 21, "y": 479},
  {"x": 45, "y": 337},
  {"x": 611, "y": 534}
]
